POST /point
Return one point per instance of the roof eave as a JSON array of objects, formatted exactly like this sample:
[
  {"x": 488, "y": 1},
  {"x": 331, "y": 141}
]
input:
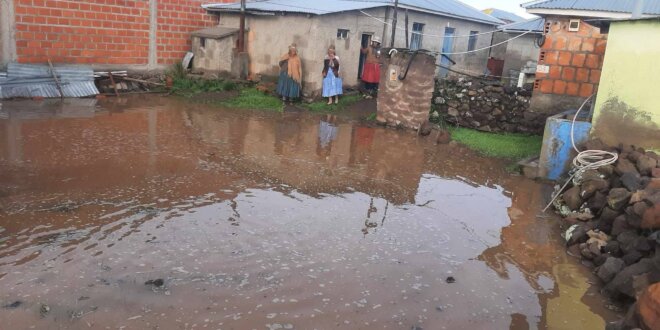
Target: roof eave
[
  {"x": 580, "y": 13},
  {"x": 439, "y": 13}
]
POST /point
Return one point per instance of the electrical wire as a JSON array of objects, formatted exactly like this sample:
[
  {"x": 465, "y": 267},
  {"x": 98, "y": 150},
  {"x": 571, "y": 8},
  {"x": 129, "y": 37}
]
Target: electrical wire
[
  {"x": 426, "y": 34},
  {"x": 587, "y": 159}
]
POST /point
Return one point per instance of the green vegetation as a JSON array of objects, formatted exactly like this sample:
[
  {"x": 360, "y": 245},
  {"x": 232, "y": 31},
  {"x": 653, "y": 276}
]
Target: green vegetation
[
  {"x": 510, "y": 146},
  {"x": 189, "y": 87},
  {"x": 372, "y": 117},
  {"x": 251, "y": 98},
  {"x": 323, "y": 106}
]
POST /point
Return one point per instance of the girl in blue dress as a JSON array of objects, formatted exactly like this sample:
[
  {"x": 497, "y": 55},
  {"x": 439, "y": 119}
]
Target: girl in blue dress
[{"x": 332, "y": 84}]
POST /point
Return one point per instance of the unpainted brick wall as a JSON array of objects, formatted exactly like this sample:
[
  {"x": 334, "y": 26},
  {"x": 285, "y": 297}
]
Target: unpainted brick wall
[
  {"x": 575, "y": 59},
  {"x": 105, "y": 31}
]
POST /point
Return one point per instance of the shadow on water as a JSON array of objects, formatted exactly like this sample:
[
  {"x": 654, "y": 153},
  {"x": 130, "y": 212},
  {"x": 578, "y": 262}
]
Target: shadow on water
[{"x": 267, "y": 220}]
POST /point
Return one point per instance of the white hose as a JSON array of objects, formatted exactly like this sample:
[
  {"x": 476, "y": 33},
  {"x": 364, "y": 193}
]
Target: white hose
[{"x": 585, "y": 160}]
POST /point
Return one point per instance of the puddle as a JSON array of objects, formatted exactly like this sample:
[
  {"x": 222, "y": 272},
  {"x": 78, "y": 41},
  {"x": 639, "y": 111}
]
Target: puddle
[{"x": 241, "y": 219}]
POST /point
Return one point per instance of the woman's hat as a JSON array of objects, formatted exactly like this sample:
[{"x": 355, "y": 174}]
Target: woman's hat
[{"x": 375, "y": 39}]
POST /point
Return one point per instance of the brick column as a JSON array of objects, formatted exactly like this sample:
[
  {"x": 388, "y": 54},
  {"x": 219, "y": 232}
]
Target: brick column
[{"x": 7, "y": 32}]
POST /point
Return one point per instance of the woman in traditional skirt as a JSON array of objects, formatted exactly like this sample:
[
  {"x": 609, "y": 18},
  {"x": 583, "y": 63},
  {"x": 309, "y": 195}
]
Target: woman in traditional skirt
[
  {"x": 290, "y": 81},
  {"x": 371, "y": 71},
  {"x": 332, "y": 84}
]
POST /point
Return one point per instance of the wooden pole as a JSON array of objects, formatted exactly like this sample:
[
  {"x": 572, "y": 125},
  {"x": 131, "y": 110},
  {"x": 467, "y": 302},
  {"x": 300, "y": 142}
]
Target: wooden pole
[
  {"x": 407, "y": 34},
  {"x": 114, "y": 85},
  {"x": 394, "y": 21},
  {"x": 57, "y": 81},
  {"x": 241, "y": 32}
]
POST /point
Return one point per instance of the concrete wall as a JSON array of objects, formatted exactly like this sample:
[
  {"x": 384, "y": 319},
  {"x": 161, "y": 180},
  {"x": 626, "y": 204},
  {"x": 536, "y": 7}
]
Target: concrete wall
[
  {"x": 574, "y": 60},
  {"x": 7, "y": 32},
  {"x": 434, "y": 25},
  {"x": 519, "y": 52},
  {"x": 216, "y": 56},
  {"x": 627, "y": 108},
  {"x": 270, "y": 36},
  {"x": 134, "y": 34}
]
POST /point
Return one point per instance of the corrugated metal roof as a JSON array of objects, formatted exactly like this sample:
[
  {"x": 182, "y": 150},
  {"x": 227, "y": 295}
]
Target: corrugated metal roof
[
  {"x": 534, "y": 24},
  {"x": 503, "y": 15},
  {"x": 453, "y": 8},
  {"x": 29, "y": 80},
  {"x": 651, "y": 7},
  {"x": 216, "y": 32}
]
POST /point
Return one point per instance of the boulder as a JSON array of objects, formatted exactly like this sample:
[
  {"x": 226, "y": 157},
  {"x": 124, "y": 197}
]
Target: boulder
[
  {"x": 622, "y": 284},
  {"x": 631, "y": 181},
  {"x": 579, "y": 235},
  {"x": 623, "y": 165},
  {"x": 618, "y": 198},
  {"x": 653, "y": 184},
  {"x": 610, "y": 268},
  {"x": 632, "y": 257},
  {"x": 591, "y": 186},
  {"x": 613, "y": 248},
  {"x": 573, "y": 199},
  {"x": 655, "y": 172},
  {"x": 651, "y": 218},
  {"x": 620, "y": 225},
  {"x": 648, "y": 307},
  {"x": 627, "y": 240},
  {"x": 646, "y": 164}
]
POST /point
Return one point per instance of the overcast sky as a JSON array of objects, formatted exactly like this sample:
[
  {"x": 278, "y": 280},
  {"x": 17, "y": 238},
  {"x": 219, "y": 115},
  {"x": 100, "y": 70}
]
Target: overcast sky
[{"x": 508, "y": 5}]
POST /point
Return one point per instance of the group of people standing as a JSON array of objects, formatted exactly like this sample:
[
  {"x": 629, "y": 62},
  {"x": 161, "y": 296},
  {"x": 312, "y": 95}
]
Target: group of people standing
[{"x": 289, "y": 85}]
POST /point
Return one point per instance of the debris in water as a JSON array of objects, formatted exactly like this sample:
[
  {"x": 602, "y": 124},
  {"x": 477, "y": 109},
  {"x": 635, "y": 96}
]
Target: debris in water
[
  {"x": 451, "y": 279},
  {"x": 44, "y": 310},
  {"x": 157, "y": 282},
  {"x": 13, "y": 305}
]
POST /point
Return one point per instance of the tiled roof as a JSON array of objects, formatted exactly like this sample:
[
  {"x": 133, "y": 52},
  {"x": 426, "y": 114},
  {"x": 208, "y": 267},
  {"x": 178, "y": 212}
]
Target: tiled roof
[{"x": 452, "y": 8}]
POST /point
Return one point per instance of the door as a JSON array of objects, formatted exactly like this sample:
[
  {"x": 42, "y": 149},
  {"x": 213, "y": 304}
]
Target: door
[
  {"x": 366, "y": 41},
  {"x": 447, "y": 47}
]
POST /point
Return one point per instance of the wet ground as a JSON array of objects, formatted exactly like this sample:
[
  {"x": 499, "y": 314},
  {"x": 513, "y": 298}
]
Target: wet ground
[{"x": 242, "y": 219}]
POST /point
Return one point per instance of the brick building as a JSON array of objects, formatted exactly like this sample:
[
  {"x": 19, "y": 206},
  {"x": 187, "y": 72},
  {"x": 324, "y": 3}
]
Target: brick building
[
  {"x": 134, "y": 34},
  {"x": 571, "y": 59}
]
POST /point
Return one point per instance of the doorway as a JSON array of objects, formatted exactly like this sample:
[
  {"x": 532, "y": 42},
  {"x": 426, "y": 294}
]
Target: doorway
[
  {"x": 364, "y": 42},
  {"x": 447, "y": 47}
]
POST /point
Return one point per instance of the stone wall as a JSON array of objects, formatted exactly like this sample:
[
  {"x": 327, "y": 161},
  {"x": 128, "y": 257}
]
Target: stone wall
[
  {"x": 486, "y": 106},
  {"x": 613, "y": 215},
  {"x": 406, "y": 102}
]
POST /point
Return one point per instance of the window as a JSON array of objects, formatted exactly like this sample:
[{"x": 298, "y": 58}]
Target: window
[
  {"x": 342, "y": 34},
  {"x": 416, "y": 38},
  {"x": 472, "y": 41},
  {"x": 202, "y": 42}
]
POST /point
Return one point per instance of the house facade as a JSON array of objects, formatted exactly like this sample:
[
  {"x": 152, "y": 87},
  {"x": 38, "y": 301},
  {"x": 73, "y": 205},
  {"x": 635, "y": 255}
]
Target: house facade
[
  {"x": 571, "y": 57},
  {"x": 626, "y": 109},
  {"x": 521, "y": 51},
  {"x": 275, "y": 24}
]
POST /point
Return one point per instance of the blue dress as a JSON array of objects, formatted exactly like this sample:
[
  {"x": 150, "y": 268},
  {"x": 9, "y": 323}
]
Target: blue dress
[
  {"x": 332, "y": 85},
  {"x": 286, "y": 86}
]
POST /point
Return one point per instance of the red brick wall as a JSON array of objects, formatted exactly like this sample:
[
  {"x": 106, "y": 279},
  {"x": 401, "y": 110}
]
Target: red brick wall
[
  {"x": 575, "y": 59},
  {"x": 105, "y": 31}
]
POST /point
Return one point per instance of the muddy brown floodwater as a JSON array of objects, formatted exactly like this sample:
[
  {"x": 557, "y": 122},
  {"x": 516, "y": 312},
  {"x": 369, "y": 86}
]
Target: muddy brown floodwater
[{"x": 261, "y": 220}]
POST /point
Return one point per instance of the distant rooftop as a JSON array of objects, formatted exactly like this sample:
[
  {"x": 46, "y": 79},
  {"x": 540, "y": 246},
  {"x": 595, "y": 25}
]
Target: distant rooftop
[
  {"x": 449, "y": 8},
  {"x": 534, "y": 24},
  {"x": 651, "y": 7},
  {"x": 503, "y": 15}
]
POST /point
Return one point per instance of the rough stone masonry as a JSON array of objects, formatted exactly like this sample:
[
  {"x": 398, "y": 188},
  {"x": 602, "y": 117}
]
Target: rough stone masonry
[
  {"x": 486, "y": 106},
  {"x": 406, "y": 102}
]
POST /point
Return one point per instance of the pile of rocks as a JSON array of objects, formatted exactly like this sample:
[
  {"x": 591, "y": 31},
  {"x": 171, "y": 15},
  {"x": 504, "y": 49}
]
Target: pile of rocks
[
  {"x": 614, "y": 219},
  {"x": 486, "y": 106}
]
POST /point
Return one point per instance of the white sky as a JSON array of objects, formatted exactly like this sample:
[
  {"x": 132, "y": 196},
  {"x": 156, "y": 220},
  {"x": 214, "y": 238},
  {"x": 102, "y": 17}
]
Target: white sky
[{"x": 508, "y": 5}]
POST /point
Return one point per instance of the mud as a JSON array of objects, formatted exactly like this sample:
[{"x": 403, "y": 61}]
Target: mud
[{"x": 154, "y": 213}]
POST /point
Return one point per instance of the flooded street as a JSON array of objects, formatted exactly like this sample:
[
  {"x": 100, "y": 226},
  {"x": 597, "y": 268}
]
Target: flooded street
[{"x": 243, "y": 219}]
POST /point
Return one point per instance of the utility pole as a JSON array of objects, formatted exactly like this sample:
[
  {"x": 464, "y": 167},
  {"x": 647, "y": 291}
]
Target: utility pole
[
  {"x": 394, "y": 19},
  {"x": 241, "y": 32}
]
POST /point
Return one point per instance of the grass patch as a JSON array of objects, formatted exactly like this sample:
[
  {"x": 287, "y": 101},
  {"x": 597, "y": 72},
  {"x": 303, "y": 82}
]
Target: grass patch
[
  {"x": 251, "y": 98},
  {"x": 190, "y": 87},
  {"x": 509, "y": 146},
  {"x": 344, "y": 101}
]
